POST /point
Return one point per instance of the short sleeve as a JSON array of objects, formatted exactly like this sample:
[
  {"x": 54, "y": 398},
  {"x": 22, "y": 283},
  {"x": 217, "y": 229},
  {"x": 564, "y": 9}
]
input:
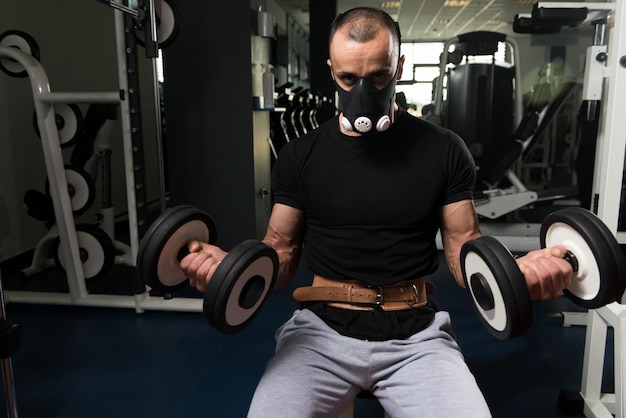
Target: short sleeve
[
  {"x": 285, "y": 178},
  {"x": 460, "y": 172}
]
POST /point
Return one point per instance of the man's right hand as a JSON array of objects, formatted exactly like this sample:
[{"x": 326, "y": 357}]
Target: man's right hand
[{"x": 201, "y": 262}]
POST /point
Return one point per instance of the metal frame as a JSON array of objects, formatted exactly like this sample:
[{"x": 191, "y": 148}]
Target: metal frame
[
  {"x": 607, "y": 190},
  {"x": 44, "y": 100},
  {"x": 607, "y": 80},
  {"x": 610, "y": 78}
]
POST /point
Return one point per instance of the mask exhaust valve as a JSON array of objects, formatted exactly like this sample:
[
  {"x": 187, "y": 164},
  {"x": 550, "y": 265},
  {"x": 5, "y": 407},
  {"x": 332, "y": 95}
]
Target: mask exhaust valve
[
  {"x": 383, "y": 123},
  {"x": 363, "y": 124},
  {"x": 345, "y": 124}
]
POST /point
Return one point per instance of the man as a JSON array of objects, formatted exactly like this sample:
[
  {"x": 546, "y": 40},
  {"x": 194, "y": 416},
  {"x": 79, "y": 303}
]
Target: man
[{"x": 367, "y": 193}]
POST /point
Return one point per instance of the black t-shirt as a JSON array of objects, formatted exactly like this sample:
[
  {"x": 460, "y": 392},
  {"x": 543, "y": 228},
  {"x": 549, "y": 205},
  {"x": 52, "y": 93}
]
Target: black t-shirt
[{"x": 372, "y": 202}]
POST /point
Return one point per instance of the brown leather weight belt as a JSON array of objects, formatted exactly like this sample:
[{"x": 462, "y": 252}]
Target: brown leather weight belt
[{"x": 354, "y": 295}]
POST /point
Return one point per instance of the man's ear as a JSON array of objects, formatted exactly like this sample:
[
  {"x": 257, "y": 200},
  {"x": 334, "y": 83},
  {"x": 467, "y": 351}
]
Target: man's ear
[
  {"x": 400, "y": 67},
  {"x": 330, "y": 66}
]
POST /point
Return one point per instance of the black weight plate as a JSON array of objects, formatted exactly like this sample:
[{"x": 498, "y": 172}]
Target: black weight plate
[
  {"x": 69, "y": 121},
  {"x": 240, "y": 286},
  {"x": 80, "y": 187},
  {"x": 600, "y": 278},
  {"x": 511, "y": 315},
  {"x": 97, "y": 252},
  {"x": 22, "y": 41},
  {"x": 157, "y": 259}
]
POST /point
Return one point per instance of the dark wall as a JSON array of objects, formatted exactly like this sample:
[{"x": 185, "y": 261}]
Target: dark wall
[
  {"x": 208, "y": 116},
  {"x": 321, "y": 15}
]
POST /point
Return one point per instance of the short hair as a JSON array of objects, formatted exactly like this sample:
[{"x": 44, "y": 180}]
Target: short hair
[{"x": 364, "y": 23}]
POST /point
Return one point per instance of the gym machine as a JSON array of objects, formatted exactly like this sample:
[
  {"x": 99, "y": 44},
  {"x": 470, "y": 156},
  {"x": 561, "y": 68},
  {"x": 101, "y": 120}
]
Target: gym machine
[
  {"x": 485, "y": 98},
  {"x": 17, "y": 58},
  {"x": 483, "y": 78},
  {"x": 604, "y": 78},
  {"x": 482, "y": 92},
  {"x": 91, "y": 156}
]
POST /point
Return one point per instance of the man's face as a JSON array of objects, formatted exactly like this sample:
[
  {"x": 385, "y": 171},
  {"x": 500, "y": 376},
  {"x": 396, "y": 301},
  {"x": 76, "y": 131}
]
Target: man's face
[{"x": 374, "y": 60}]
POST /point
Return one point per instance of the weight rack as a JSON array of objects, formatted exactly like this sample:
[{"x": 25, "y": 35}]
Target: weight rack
[{"x": 128, "y": 99}]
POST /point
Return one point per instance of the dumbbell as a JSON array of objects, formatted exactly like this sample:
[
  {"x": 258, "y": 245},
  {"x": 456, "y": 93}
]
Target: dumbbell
[
  {"x": 241, "y": 283},
  {"x": 498, "y": 288}
]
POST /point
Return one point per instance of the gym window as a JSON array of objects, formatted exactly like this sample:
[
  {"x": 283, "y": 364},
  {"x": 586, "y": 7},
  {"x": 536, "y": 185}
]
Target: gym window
[{"x": 421, "y": 67}]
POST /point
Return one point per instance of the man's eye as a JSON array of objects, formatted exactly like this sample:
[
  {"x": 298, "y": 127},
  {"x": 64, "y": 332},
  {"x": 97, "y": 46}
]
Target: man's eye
[
  {"x": 379, "y": 76},
  {"x": 347, "y": 79}
]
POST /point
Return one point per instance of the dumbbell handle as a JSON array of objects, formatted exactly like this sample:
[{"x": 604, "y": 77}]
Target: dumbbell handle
[
  {"x": 571, "y": 258},
  {"x": 183, "y": 252}
]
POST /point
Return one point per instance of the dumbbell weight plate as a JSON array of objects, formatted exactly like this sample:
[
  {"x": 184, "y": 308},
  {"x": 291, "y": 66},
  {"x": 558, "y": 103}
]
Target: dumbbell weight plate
[
  {"x": 240, "y": 286},
  {"x": 69, "y": 121},
  {"x": 80, "y": 186},
  {"x": 167, "y": 25},
  {"x": 601, "y": 269},
  {"x": 97, "y": 252},
  {"x": 22, "y": 41},
  {"x": 158, "y": 259},
  {"x": 497, "y": 287}
]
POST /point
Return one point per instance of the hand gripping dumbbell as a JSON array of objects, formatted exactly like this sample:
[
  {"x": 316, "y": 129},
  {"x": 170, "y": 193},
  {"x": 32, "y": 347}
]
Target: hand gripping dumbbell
[
  {"x": 498, "y": 288},
  {"x": 241, "y": 283}
]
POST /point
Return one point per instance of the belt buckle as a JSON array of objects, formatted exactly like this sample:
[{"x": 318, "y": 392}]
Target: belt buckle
[
  {"x": 415, "y": 301},
  {"x": 380, "y": 300}
]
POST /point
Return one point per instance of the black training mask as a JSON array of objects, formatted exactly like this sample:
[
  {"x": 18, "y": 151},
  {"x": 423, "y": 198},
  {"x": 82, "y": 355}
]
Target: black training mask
[{"x": 366, "y": 109}]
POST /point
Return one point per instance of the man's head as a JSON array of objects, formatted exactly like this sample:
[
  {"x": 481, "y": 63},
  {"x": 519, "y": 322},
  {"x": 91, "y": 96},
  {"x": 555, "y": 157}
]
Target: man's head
[{"x": 365, "y": 62}]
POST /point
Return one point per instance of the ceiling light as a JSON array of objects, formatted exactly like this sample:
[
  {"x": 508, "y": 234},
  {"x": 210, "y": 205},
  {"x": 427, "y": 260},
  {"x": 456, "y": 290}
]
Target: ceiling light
[
  {"x": 390, "y": 4},
  {"x": 456, "y": 3}
]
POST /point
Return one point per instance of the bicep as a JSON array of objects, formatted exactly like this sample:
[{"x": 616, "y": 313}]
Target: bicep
[{"x": 459, "y": 224}]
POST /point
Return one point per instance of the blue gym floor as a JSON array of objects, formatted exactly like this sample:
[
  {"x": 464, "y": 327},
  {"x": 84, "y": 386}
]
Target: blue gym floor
[{"x": 77, "y": 362}]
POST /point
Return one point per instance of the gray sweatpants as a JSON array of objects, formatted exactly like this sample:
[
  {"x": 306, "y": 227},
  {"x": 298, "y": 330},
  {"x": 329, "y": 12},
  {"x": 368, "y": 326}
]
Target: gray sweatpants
[{"x": 316, "y": 372}]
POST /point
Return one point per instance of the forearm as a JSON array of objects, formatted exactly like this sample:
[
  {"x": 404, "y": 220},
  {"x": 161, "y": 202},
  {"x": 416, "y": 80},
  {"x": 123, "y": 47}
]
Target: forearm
[
  {"x": 452, "y": 252},
  {"x": 459, "y": 224},
  {"x": 288, "y": 260},
  {"x": 285, "y": 235},
  {"x": 454, "y": 264}
]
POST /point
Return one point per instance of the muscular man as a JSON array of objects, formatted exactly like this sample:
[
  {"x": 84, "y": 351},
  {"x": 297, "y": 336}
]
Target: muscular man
[{"x": 365, "y": 195}]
